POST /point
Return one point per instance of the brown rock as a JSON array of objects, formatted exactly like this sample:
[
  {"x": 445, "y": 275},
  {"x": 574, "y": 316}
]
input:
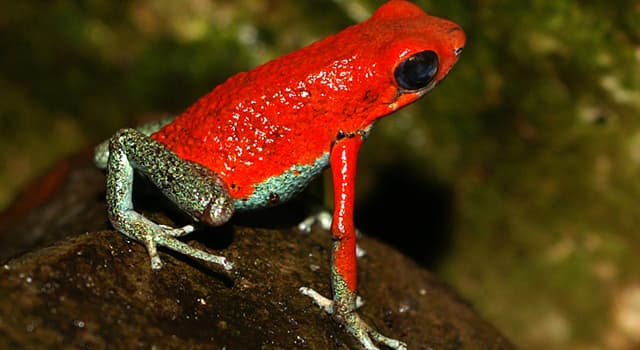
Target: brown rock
[{"x": 96, "y": 289}]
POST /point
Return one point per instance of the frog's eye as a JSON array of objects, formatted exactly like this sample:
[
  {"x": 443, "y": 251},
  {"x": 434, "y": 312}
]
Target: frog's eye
[{"x": 417, "y": 71}]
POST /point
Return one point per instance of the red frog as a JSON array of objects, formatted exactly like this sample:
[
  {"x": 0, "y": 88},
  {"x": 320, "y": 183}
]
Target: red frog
[{"x": 260, "y": 137}]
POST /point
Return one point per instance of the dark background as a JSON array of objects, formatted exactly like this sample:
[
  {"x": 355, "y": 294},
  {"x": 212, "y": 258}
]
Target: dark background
[{"x": 516, "y": 180}]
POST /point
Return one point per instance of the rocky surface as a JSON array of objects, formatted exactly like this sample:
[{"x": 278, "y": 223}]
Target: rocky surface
[{"x": 79, "y": 284}]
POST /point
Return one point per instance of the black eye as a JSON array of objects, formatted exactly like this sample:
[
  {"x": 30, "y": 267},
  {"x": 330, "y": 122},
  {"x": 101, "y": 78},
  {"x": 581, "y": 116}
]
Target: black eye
[{"x": 417, "y": 71}]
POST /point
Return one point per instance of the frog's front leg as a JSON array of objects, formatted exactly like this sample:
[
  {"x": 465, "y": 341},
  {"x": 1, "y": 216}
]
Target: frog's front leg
[
  {"x": 197, "y": 190},
  {"x": 344, "y": 263},
  {"x": 323, "y": 218}
]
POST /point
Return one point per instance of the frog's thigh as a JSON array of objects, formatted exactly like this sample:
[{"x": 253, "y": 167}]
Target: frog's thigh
[
  {"x": 101, "y": 152},
  {"x": 195, "y": 189},
  {"x": 198, "y": 191}
]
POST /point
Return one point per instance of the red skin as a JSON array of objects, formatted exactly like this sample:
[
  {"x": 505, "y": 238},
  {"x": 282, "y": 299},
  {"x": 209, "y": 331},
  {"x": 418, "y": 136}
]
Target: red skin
[
  {"x": 343, "y": 160},
  {"x": 290, "y": 111}
]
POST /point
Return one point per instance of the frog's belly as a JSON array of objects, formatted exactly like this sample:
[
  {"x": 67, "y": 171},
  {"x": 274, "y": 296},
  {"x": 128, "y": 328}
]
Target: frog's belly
[{"x": 281, "y": 188}]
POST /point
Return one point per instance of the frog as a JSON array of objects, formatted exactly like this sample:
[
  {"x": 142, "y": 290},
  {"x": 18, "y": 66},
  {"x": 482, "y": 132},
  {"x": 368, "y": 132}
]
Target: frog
[{"x": 259, "y": 138}]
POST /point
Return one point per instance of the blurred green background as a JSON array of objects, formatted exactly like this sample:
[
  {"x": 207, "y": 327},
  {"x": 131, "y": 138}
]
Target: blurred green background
[{"x": 516, "y": 181}]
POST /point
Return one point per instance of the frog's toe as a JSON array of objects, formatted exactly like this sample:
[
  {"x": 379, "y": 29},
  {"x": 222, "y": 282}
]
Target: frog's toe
[
  {"x": 392, "y": 343},
  {"x": 166, "y": 237},
  {"x": 366, "y": 335},
  {"x": 177, "y": 231},
  {"x": 156, "y": 263},
  {"x": 321, "y": 217},
  {"x": 353, "y": 323},
  {"x": 323, "y": 302}
]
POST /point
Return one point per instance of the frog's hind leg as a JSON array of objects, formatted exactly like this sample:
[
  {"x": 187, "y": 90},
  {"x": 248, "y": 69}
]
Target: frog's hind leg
[
  {"x": 101, "y": 152},
  {"x": 198, "y": 191}
]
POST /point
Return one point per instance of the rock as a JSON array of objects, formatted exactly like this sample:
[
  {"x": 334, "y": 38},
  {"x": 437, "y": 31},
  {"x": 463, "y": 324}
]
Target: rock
[{"x": 96, "y": 289}]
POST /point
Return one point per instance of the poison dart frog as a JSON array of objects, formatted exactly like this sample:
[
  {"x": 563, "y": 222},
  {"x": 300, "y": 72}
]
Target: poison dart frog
[{"x": 261, "y": 136}]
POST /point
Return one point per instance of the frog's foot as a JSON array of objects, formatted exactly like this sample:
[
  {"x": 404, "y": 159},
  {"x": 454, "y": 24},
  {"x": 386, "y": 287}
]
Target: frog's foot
[
  {"x": 353, "y": 323},
  {"x": 151, "y": 235},
  {"x": 323, "y": 218},
  {"x": 325, "y": 303},
  {"x": 320, "y": 217},
  {"x": 177, "y": 231},
  {"x": 198, "y": 191}
]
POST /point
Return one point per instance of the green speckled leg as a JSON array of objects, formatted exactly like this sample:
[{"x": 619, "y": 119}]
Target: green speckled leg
[
  {"x": 101, "y": 154},
  {"x": 343, "y": 308},
  {"x": 193, "y": 188}
]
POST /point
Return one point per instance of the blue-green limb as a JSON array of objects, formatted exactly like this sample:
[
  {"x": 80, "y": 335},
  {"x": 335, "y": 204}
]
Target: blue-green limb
[
  {"x": 193, "y": 188},
  {"x": 343, "y": 310}
]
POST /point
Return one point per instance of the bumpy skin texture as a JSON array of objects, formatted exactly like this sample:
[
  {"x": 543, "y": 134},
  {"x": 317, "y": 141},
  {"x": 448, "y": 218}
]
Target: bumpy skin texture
[
  {"x": 262, "y": 136},
  {"x": 287, "y": 113}
]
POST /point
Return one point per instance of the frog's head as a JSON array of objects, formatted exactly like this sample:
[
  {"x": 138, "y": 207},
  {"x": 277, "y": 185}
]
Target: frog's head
[{"x": 415, "y": 51}]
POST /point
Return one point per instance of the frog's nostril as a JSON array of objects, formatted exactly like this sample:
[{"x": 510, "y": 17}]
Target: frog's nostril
[{"x": 459, "y": 50}]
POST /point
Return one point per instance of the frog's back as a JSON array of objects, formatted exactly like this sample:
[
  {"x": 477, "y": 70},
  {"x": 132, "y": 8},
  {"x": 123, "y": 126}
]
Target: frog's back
[
  {"x": 279, "y": 118},
  {"x": 274, "y": 125},
  {"x": 256, "y": 126}
]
